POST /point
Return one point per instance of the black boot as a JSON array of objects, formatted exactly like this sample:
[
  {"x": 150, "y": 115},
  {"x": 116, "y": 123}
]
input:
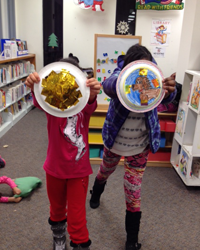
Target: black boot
[
  {"x": 96, "y": 192},
  {"x": 59, "y": 234},
  {"x": 82, "y": 246},
  {"x": 132, "y": 224}
]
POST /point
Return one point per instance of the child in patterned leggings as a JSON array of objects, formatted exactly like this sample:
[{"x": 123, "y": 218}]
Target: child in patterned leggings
[{"x": 132, "y": 135}]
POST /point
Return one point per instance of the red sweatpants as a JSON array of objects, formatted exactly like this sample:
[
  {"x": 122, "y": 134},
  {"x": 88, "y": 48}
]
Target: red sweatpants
[{"x": 67, "y": 199}]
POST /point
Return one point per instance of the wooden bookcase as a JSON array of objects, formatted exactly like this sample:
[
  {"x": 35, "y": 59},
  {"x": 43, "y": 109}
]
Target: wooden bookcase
[
  {"x": 15, "y": 97},
  {"x": 160, "y": 159},
  {"x": 185, "y": 156}
]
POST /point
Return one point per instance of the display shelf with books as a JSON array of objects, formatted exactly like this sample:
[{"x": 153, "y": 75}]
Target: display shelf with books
[
  {"x": 185, "y": 156},
  {"x": 160, "y": 159},
  {"x": 15, "y": 97}
]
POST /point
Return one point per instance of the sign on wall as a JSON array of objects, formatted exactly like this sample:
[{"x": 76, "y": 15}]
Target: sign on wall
[{"x": 159, "y": 4}]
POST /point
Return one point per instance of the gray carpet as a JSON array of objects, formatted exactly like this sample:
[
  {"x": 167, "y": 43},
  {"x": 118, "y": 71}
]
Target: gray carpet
[{"x": 170, "y": 210}]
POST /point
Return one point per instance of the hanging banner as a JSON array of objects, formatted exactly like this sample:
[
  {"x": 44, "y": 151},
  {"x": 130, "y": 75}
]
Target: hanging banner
[{"x": 159, "y": 4}]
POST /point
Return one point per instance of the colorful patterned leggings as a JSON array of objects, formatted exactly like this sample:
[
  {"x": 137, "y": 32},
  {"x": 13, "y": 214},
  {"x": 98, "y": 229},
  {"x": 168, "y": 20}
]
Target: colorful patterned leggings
[{"x": 134, "y": 167}]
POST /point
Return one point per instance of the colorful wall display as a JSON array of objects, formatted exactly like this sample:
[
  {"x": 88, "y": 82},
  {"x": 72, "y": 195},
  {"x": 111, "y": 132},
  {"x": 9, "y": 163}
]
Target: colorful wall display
[
  {"x": 159, "y": 4},
  {"x": 107, "y": 49}
]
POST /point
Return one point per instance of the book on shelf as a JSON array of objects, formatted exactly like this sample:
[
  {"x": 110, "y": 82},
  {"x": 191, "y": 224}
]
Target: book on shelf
[
  {"x": 1, "y": 119},
  {"x": 2, "y": 98}
]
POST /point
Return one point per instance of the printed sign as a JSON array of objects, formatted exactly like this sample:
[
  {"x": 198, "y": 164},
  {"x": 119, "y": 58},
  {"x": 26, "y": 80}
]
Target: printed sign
[{"x": 159, "y": 4}]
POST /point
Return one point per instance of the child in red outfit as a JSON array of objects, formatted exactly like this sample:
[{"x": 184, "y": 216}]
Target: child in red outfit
[{"x": 68, "y": 168}]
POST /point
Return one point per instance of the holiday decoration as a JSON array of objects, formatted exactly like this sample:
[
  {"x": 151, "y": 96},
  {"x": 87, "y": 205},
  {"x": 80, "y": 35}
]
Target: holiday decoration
[
  {"x": 159, "y": 4},
  {"x": 122, "y": 27},
  {"x": 96, "y": 5},
  {"x": 53, "y": 41}
]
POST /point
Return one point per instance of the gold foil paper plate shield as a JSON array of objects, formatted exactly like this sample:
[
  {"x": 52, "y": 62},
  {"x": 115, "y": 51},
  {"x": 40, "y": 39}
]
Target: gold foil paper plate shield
[{"x": 62, "y": 90}]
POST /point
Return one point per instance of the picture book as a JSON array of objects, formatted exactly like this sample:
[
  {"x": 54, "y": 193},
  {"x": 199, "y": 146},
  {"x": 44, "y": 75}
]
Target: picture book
[
  {"x": 1, "y": 119},
  {"x": 180, "y": 122},
  {"x": 195, "y": 170},
  {"x": 195, "y": 95},
  {"x": 184, "y": 163}
]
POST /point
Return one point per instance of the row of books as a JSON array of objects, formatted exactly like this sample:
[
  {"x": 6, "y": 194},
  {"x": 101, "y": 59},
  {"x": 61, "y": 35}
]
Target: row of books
[
  {"x": 12, "y": 71},
  {"x": 16, "y": 107},
  {"x": 12, "y": 93}
]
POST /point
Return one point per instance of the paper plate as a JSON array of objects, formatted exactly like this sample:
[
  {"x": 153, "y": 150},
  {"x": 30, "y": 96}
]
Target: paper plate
[
  {"x": 81, "y": 81},
  {"x": 139, "y": 86}
]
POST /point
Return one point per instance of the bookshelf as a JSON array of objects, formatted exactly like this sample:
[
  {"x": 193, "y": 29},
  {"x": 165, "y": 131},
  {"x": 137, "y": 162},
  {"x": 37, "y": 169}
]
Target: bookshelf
[
  {"x": 185, "y": 156},
  {"x": 160, "y": 159},
  {"x": 15, "y": 97}
]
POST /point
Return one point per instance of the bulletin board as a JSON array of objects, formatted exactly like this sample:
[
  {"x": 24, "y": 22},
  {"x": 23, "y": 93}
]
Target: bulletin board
[{"x": 106, "y": 51}]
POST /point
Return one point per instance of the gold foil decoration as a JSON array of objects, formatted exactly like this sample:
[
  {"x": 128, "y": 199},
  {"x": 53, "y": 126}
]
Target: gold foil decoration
[{"x": 60, "y": 90}]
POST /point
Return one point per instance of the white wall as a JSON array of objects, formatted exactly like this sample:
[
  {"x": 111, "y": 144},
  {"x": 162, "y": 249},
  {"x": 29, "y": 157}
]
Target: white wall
[
  {"x": 29, "y": 27},
  {"x": 189, "y": 53},
  {"x": 168, "y": 65},
  {"x": 81, "y": 25}
]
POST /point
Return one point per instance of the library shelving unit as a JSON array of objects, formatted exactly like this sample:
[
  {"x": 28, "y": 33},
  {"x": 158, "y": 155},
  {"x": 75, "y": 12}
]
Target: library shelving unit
[
  {"x": 159, "y": 159},
  {"x": 185, "y": 156},
  {"x": 15, "y": 97}
]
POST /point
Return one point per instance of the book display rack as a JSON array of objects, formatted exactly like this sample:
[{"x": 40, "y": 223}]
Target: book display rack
[{"x": 185, "y": 156}]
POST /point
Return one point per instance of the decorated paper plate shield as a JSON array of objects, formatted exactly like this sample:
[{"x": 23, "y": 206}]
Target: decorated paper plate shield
[
  {"x": 62, "y": 91},
  {"x": 139, "y": 86}
]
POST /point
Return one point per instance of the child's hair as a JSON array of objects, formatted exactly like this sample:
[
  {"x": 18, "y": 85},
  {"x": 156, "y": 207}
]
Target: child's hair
[
  {"x": 137, "y": 52},
  {"x": 72, "y": 61},
  {"x": 88, "y": 71},
  {"x": 74, "y": 57}
]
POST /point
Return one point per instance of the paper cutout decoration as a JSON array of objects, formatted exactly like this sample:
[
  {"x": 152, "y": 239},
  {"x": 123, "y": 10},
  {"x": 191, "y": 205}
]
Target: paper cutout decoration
[
  {"x": 96, "y": 5},
  {"x": 53, "y": 41},
  {"x": 159, "y": 4}
]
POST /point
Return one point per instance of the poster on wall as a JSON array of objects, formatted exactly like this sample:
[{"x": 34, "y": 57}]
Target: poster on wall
[
  {"x": 125, "y": 17},
  {"x": 160, "y": 32},
  {"x": 159, "y": 4}
]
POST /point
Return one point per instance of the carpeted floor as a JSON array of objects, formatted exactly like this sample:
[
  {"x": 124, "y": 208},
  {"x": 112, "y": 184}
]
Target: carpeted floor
[{"x": 170, "y": 210}]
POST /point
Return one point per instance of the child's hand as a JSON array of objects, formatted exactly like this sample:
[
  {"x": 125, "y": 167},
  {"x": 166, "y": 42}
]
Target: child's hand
[
  {"x": 16, "y": 190},
  {"x": 169, "y": 85},
  {"x": 32, "y": 79},
  {"x": 94, "y": 88}
]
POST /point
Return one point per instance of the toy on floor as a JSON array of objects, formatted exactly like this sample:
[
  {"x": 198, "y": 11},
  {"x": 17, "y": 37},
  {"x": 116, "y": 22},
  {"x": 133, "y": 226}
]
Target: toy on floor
[{"x": 21, "y": 187}]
